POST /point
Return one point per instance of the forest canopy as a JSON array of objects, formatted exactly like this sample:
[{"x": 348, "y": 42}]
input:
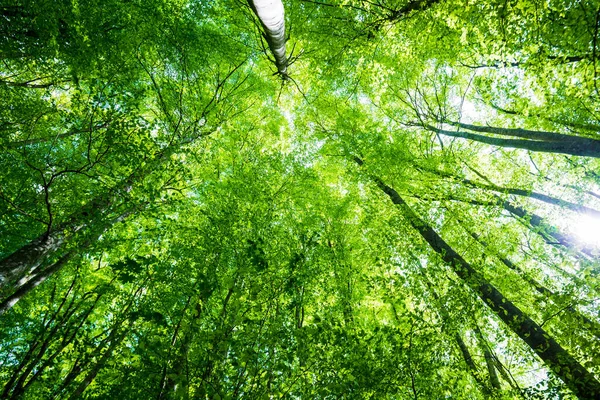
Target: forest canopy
[{"x": 299, "y": 199}]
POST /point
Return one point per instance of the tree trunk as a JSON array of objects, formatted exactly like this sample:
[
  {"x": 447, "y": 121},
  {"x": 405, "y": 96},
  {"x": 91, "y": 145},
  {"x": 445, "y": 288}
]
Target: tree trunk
[
  {"x": 519, "y": 192},
  {"x": 30, "y": 282},
  {"x": 25, "y": 260},
  {"x": 582, "y": 147},
  {"x": 462, "y": 346},
  {"x": 17, "y": 268},
  {"x": 117, "y": 334},
  {"x": 272, "y": 18},
  {"x": 550, "y": 234},
  {"x": 563, "y": 364},
  {"x": 534, "y": 195},
  {"x": 528, "y": 134},
  {"x": 36, "y": 280},
  {"x": 489, "y": 359}
]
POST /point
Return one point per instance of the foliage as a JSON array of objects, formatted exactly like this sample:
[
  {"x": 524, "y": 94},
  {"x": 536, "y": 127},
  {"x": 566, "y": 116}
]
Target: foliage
[{"x": 178, "y": 222}]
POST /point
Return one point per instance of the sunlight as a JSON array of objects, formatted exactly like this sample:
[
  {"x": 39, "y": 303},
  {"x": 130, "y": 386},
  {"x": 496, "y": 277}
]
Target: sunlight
[{"x": 587, "y": 229}]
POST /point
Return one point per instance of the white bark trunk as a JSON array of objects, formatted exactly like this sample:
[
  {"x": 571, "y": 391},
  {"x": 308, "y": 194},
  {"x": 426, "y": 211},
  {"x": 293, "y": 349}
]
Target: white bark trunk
[
  {"x": 272, "y": 18},
  {"x": 24, "y": 261}
]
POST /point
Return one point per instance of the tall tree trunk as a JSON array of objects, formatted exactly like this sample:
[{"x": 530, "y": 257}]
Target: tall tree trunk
[
  {"x": 489, "y": 359},
  {"x": 570, "y": 124},
  {"x": 96, "y": 214},
  {"x": 516, "y": 191},
  {"x": 25, "y": 260},
  {"x": 528, "y": 134},
  {"x": 16, "y": 268},
  {"x": 563, "y": 364},
  {"x": 549, "y": 233},
  {"x": 272, "y": 18},
  {"x": 582, "y": 147},
  {"x": 117, "y": 334},
  {"x": 34, "y": 282},
  {"x": 176, "y": 383},
  {"x": 462, "y": 346},
  {"x": 116, "y": 337}
]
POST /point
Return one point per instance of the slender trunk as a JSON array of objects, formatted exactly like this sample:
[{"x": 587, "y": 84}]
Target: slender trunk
[
  {"x": 68, "y": 380},
  {"x": 578, "y": 147},
  {"x": 507, "y": 263},
  {"x": 272, "y": 18},
  {"x": 571, "y": 124},
  {"x": 467, "y": 356},
  {"x": 519, "y": 192},
  {"x": 563, "y": 364},
  {"x": 115, "y": 337},
  {"x": 177, "y": 381},
  {"x": 549, "y": 233},
  {"x": 489, "y": 359},
  {"x": 506, "y": 375},
  {"x": 164, "y": 381},
  {"x": 588, "y": 324},
  {"x": 534, "y": 195},
  {"x": 65, "y": 342},
  {"x": 462, "y": 346},
  {"x": 175, "y": 384}
]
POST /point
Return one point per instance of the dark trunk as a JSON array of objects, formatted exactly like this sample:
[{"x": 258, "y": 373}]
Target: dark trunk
[
  {"x": 117, "y": 334},
  {"x": 548, "y": 294},
  {"x": 549, "y": 233},
  {"x": 30, "y": 282},
  {"x": 535, "y": 195},
  {"x": 466, "y": 355},
  {"x": 527, "y": 134},
  {"x": 519, "y": 192},
  {"x": 582, "y": 147},
  {"x": 489, "y": 359}
]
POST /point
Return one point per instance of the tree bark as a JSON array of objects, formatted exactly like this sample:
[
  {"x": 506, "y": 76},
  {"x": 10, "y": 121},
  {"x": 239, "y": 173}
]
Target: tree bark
[
  {"x": 489, "y": 359},
  {"x": 535, "y": 195},
  {"x": 582, "y": 147},
  {"x": 516, "y": 191},
  {"x": 117, "y": 334},
  {"x": 272, "y": 18},
  {"x": 34, "y": 282},
  {"x": 563, "y": 364},
  {"x": 543, "y": 136},
  {"x": 39, "y": 275},
  {"x": 25, "y": 260},
  {"x": 549, "y": 233}
]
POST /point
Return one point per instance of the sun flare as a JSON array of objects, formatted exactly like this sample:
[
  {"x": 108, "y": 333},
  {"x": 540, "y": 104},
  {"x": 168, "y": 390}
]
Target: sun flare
[{"x": 587, "y": 230}]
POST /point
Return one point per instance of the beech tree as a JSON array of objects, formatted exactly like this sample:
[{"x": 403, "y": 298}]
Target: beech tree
[{"x": 311, "y": 199}]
